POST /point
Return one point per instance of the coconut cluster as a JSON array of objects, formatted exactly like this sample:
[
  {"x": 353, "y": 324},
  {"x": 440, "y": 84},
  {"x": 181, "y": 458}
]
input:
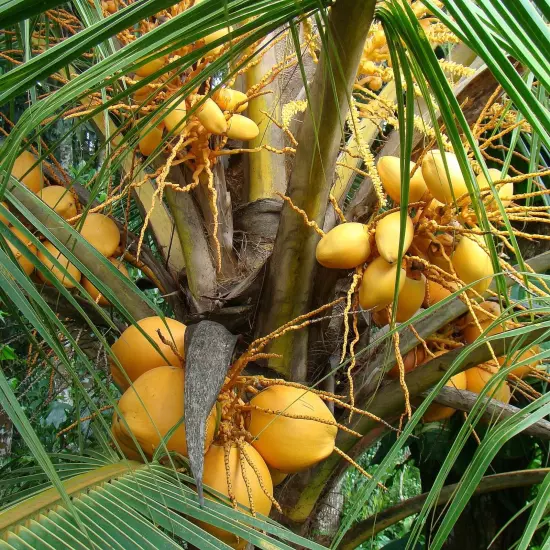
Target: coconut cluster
[{"x": 99, "y": 230}]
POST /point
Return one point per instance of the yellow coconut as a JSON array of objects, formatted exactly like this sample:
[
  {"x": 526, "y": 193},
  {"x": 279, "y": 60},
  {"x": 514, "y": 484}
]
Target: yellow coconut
[
  {"x": 477, "y": 378},
  {"x": 440, "y": 185},
  {"x": 60, "y": 199},
  {"x": 212, "y": 118},
  {"x": 228, "y": 99},
  {"x": 26, "y": 174},
  {"x": 411, "y": 360},
  {"x": 94, "y": 292},
  {"x": 472, "y": 263},
  {"x": 215, "y": 476},
  {"x": 215, "y": 36},
  {"x": 387, "y": 236},
  {"x": 505, "y": 192},
  {"x": 389, "y": 170},
  {"x": 150, "y": 139},
  {"x": 411, "y": 298},
  {"x": 3, "y": 219},
  {"x": 102, "y": 233},
  {"x": 151, "y": 408},
  {"x": 523, "y": 370},
  {"x": 471, "y": 332},
  {"x": 152, "y": 67},
  {"x": 344, "y": 247},
  {"x": 436, "y": 292},
  {"x": 378, "y": 284},
  {"x": 141, "y": 94},
  {"x": 436, "y": 412},
  {"x": 26, "y": 265},
  {"x": 174, "y": 118},
  {"x": 68, "y": 275},
  {"x": 241, "y": 127},
  {"x": 137, "y": 355},
  {"x": 291, "y": 444},
  {"x": 277, "y": 477}
]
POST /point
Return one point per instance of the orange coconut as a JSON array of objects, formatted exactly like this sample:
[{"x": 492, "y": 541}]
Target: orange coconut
[
  {"x": 60, "y": 199},
  {"x": 291, "y": 444},
  {"x": 471, "y": 332},
  {"x": 137, "y": 355},
  {"x": 68, "y": 275},
  {"x": 378, "y": 284},
  {"x": 151, "y": 408},
  {"x": 102, "y": 233},
  {"x": 94, "y": 292},
  {"x": 344, "y": 247},
  {"x": 523, "y": 370},
  {"x": 477, "y": 378},
  {"x": 28, "y": 176},
  {"x": 438, "y": 412},
  {"x": 436, "y": 292},
  {"x": 215, "y": 476},
  {"x": 411, "y": 360},
  {"x": 26, "y": 265}
]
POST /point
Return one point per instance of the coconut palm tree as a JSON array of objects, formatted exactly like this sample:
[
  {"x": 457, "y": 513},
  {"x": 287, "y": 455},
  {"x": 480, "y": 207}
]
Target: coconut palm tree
[{"x": 209, "y": 147}]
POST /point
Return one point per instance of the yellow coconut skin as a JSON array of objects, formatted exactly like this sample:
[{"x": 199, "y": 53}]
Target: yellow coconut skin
[
  {"x": 477, "y": 379},
  {"x": 291, "y": 444},
  {"x": 277, "y": 477},
  {"x": 471, "y": 263},
  {"x": 34, "y": 179},
  {"x": 389, "y": 170},
  {"x": 471, "y": 332},
  {"x": 378, "y": 284},
  {"x": 241, "y": 127},
  {"x": 387, "y": 236},
  {"x": 173, "y": 119},
  {"x": 344, "y": 247},
  {"x": 505, "y": 192},
  {"x": 150, "y": 139},
  {"x": 152, "y": 67},
  {"x": 435, "y": 293},
  {"x": 436, "y": 412},
  {"x": 66, "y": 275},
  {"x": 523, "y": 370},
  {"x": 102, "y": 233},
  {"x": 161, "y": 391},
  {"x": 94, "y": 292},
  {"x": 216, "y": 478},
  {"x": 60, "y": 199},
  {"x": 227, "y": 99},
  {"x": 411, "y": 298},
  {"x": 215, "y": 36},
  {"x": 435, "y": 176},
  {"x": 137, "y": 355},
  {"x": 212, "y": 118},
  {"x": 26, "y": 265}
]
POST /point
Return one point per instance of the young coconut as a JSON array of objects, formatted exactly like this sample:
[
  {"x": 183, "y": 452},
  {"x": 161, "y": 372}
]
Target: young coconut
[
  {"x": 471, "y": 332},
  {"x": 150, "y": 139},
  {"x": 94, "y": 292},
  {"x": 23, "y": 171},
  {"x": 137, "y": 355},
  {"x": 60, "y": 199},
  {"x": 378, "y": 284},
  {"x": 228, "y": 99},
  {"x": 505, "y": 192},
  {"x": 151, "y": 408},
  {"x": 215, "y": 476},
  {"x": 411, "y": 360},
  {"x": 174, "y": 118},
  {"x": 291, "y": 444},
  {"x": 436, "y": 412},
  {"x": 436, "y": 292},
  {"x": 277, "y": 477},
  {"x": 151, "y": 67},
  {"x": 102, "y": 233},
  {"x": 522, "y": 370},
  {"x": 68, "y": 275},
  {"x": 241, "y": 127},
  {"x": 444, "y": 188},
  {"x": 212, "y": 118},
  {"x": 389, "y": 170},
  {"x": 387, "y": 236},
  {"x": 477, "y": 378},
  {"x": 411, "y": 297},
  {"x": 26, "y": 265},
  {"x": 216, "y": 35},
  {"x": 344, "y": 247},
  {"x": 472, "y": 263}
]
